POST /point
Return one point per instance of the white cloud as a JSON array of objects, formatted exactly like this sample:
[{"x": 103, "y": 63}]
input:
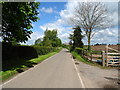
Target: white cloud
[
  {"x": 109, "y": 36},
  {"x": 34, "y": 36},
  {"x": 64, "y": 37},
  {"x": 47, "y": 10},
  {"x": 94, "y": 0},
  {"x": 103, "y": 36},
  {"x": 63, "y": 31},
  {"x": 55, "y": 25}
]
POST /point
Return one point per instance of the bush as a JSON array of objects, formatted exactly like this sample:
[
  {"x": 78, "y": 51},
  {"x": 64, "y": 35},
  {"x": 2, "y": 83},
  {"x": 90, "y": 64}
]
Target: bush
[
  {"x": 42, "y": 50},
  {"x": 16, "y": 55}
]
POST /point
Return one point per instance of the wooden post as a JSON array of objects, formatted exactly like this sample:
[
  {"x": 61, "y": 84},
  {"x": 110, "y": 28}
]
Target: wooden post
[
  {"x": 91, "y": 55},
  {"x": 106, "y": 50},
  {"x": 103, "y": 58}
]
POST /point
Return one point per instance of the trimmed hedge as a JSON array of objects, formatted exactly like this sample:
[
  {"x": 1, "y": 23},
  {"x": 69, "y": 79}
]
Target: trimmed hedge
[
  {"x": 42, "y": 50},
  {"x": 15, "y": 56}
]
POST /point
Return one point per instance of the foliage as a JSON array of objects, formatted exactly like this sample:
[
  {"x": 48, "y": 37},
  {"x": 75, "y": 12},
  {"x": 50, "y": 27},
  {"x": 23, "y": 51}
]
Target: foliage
[
  {"x": 38, "y": 41},
  {"x": 77, "y": 38},
  {"x": 91, "y": 17},
  {"x": 13, "y": 56},
  {"x": 50, "y": 39},
  {"x": 17, "y": 18},
  {"x": 66, "y": 46},
  {"x": 9, "y": 73},
  {"x": 42, "y": 50}
]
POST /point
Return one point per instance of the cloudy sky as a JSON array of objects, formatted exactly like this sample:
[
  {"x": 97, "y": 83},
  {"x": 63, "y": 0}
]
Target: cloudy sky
[{"x": 55, "y": 15}]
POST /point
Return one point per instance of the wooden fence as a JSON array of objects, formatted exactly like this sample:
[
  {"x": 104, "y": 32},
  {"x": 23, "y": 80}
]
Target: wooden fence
[
  {"x": 109, "y": 58},
  {"x": 104, "y": 57}
]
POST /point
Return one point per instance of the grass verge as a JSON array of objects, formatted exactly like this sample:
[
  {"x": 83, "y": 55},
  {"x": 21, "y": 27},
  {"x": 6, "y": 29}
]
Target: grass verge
[
  {"x": 84, "y": 60},
  {"x": 5, "y": 75}
]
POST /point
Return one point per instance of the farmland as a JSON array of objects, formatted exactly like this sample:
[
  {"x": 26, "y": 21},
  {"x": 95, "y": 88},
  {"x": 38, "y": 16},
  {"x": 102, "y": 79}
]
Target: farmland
[{"x": 102, "y": 47}]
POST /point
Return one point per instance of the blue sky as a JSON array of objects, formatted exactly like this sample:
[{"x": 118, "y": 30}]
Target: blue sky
[
  {"x": 55, "y": 15},
  {"x": 49, "y": 12}
]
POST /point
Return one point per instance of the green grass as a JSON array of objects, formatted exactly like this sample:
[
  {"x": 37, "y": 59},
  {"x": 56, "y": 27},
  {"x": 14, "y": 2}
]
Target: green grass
[
  {"x": 84, "y": 60},
  {"x": 5, "y": 75},
  {"x": 43, "y": 57}
]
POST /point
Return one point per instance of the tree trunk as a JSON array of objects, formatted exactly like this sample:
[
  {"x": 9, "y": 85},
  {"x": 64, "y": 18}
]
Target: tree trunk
[{"x": 89, "y": 47}]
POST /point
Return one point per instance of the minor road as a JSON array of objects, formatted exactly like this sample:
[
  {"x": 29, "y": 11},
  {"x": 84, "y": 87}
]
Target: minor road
[{"x": 57, "y": 71}]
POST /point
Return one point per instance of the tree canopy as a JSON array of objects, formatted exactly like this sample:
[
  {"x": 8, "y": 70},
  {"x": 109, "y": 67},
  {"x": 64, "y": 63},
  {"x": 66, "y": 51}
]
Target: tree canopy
[
  {"x": 91, "y": 17},
  {"x": 38, "y": 41},
  {"x": 17, "y": 18},
  {"x": 50, "y": 39},
  {"x": 76, "y": 37}
]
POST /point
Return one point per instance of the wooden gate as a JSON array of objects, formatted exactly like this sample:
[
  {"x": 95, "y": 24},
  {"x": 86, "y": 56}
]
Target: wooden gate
[{"x": 109, "y": 58}]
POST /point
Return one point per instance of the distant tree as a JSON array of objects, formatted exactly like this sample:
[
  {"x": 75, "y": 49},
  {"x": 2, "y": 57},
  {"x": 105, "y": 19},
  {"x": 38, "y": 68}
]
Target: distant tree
[
  {"x": 91, "y": 17},
  {"x": 77, "y": 38},
  {"x": 97, "y": 44},
  {"x": 57, "y": 42},
  {"x": 17, "y": 18},
  {"x": 51, "y": 39},
  {"x": 38, "y": 41}
]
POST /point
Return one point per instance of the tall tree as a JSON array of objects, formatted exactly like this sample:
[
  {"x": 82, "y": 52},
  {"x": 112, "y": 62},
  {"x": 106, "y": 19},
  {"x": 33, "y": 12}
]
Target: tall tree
[
  {"x": 91, "y": 17},
  {"x": 77, "y": 38},
  {"x": 17, "y": 18},
  {"x": 51, "y": 38}
]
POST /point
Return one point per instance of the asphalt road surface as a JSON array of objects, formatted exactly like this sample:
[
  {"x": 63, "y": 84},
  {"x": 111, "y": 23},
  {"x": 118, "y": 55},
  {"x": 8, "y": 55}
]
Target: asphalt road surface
[{"x": 57, "y": 71}]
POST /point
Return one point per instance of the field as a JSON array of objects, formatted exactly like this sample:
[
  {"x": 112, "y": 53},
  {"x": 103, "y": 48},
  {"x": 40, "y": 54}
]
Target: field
[{"x": 102, "y": 47}]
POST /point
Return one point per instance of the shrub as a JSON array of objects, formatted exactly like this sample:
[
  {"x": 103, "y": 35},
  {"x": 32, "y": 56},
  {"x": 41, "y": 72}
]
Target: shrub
[
  {"x": 13, "y": 56},
  {"x": 42, "y": 50},
  {"x": 16, "y": 56}
]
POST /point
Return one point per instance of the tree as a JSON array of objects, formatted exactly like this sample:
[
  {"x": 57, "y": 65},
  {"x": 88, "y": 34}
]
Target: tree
[
  {"x": 77, "y": 38},
  {"x": 51, "y": 39},
  {"x": 91, "y": 17},
  {"x": 38, "y": 41},
  {"x": 17, "y": 18}
]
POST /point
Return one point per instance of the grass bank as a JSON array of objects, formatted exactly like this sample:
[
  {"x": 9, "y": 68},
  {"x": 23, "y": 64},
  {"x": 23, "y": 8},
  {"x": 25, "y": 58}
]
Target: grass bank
[
  {"x": 84, "y": 60},
  {"x": 5, "y": 75}
]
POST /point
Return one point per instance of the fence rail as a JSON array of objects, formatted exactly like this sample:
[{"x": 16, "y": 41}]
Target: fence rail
[{"x": 107, "y": 58}]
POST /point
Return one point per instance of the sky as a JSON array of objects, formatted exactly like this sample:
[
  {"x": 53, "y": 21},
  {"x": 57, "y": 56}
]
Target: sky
[{"x": 56, "y": 15}]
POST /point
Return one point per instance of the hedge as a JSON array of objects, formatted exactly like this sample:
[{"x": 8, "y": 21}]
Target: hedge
[
  {"x": 42, "y": 50},
  {"x": 15, "y": 56}
]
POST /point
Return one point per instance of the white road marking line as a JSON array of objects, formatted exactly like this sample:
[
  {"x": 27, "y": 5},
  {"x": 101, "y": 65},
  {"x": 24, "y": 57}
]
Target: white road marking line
[
  {"x": 81, "y": 81},
  {"x": 25, "y": 71}
]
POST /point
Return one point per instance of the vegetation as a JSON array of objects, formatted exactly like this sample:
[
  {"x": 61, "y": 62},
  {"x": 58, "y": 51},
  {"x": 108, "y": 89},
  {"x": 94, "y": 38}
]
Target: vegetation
[
  {"x": 85, "y": 60},
  {"x": 91, "y": 16},
  {"x": 66, "y": 46},
  {"x": 17, "y": 19},
  {"x": 76, "y": 38},
  {"x": 38, "y": 41},
  {"x": 17, "y": 55},
  {"x": 50, "y": 39},
  {"x": 42, "y": 50}
]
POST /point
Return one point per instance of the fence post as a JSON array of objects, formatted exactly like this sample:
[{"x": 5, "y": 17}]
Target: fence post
[
  {"x": 106, "y": 48},
  {"x": 91, "y": 55},
  {"x": 103, "y": 58}
]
